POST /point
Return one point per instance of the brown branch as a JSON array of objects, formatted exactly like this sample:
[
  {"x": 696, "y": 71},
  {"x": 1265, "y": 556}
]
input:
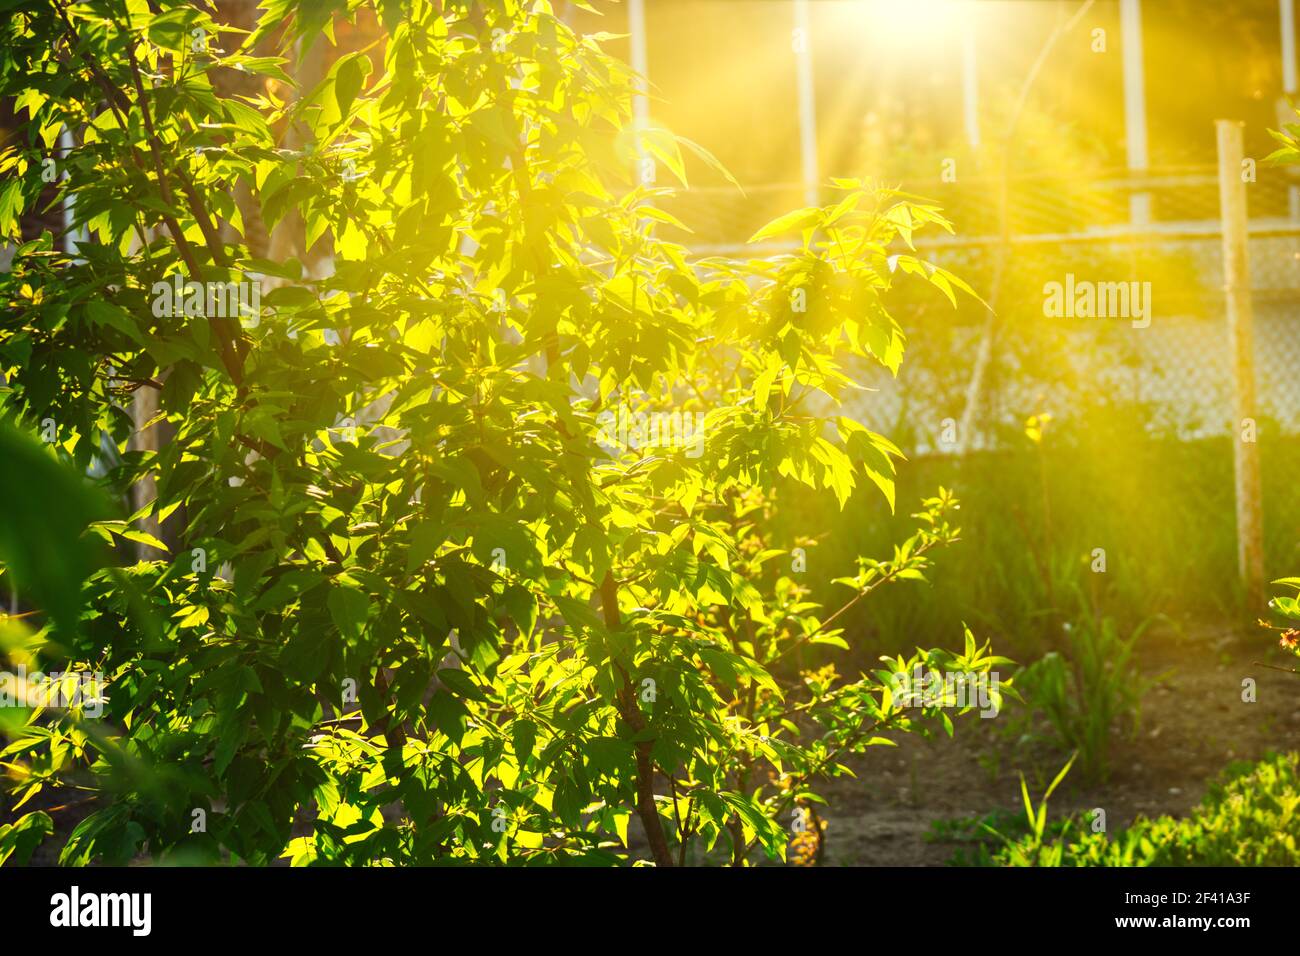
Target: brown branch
[
  {"x": 198, "y": 207},
  {"x": 806, "y": 776},
  {"x": 632, "y": 716},
  {"x": 1284, "y": 670},
  {"x": 884, "y": 579},
  {"x": 233, "y": 349},
  {"x": 394, "y": 733},
  {"x": 231, "y": 354}
]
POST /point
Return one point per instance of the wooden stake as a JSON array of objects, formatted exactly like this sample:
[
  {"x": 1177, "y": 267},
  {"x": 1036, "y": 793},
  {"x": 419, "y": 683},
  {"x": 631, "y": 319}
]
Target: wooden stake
[{"x": 1236, "y": 280}]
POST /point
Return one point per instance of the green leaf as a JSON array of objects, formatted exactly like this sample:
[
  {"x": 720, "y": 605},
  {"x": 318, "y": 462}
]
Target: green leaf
[
  {"x": 449, "y": 715},
  {"x": 47, "y": 507},
  {"x": 663, "y": 145},
  {"x": 349, "y": 608},
  {"x": 521, "y": 605},
  {"x": 20, "y": 838},
  {"x": 350, "y": 74},
  {"x": 791, "y": 222},
  {"x": 460, "y": 683},
  {"x": 141, "y": 537},
  {"x": 524, "y": 738}
]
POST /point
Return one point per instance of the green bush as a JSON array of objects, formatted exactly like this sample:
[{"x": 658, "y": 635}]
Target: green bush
[
  {"x": 1248, "y": 818},
  {"x": 492, "y": 498}
]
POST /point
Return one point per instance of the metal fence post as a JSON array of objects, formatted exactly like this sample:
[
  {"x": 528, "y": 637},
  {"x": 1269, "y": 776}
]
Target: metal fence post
[{"x": 807, "y": 103}]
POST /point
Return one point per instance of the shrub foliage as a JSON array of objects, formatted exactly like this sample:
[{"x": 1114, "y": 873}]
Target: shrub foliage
[
  {"x": 1246, "y": 819},
  {"x": 429, "y": 600}
]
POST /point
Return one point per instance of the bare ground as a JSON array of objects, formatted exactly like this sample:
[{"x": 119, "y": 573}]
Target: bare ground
[{"x": 1193, "y": 724}]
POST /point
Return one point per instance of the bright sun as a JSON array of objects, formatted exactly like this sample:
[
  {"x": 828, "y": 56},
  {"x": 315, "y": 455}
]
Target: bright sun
[{"x": 910, "y": 23}]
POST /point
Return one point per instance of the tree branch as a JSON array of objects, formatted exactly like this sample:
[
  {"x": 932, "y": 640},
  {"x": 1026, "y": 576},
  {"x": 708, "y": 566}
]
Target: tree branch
[{"x": 632, "y": 716}]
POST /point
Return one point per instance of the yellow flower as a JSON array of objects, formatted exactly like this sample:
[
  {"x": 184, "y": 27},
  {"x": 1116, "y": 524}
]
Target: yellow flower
[{"x": 1035, "y": 425}]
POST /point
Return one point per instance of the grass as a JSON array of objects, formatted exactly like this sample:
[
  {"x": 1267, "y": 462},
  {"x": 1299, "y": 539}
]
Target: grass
[{"x": 1032, "y": 519}]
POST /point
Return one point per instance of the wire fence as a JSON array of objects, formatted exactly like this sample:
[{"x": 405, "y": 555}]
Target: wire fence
[{"x": 1173, "y": 362}]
